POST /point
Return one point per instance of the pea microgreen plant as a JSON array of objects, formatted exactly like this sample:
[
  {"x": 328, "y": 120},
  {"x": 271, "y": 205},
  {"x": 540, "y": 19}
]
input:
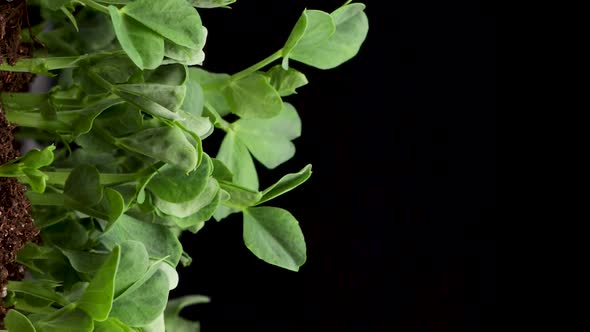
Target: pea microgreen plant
[{"x": 122, "y": 170}]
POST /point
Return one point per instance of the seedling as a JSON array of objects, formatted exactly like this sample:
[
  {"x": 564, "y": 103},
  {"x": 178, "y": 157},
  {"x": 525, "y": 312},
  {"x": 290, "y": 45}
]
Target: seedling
[{"x": 123, "y": 167}]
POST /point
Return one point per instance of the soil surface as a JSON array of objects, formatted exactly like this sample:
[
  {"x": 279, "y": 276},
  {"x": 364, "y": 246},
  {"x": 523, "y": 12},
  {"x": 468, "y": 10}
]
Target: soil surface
[{"x": 16, "y": 225}]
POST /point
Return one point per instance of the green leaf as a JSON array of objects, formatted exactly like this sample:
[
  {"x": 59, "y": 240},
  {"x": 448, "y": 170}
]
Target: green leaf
[
  {"x": 36, "y": 158},
  {"x": 184, "y": 55},
  {"x": 253, "y": 97},
  {"x": 187, "y": 208},
  {"x": 173, "y": 185},
  {"x": 69, "y": 234},
  {"x": 115, "y": 69},
  {"x": 195, "y": 97},
  {"x": 269, "y": 140},
  {"x": 158, "y": 240},
  {"x": 111, "y": 325},
  {"x": 110, "y": 208},
  {"x": 44, "y": 289},
  {"x": 68, "y": 319},
  {"x": 33, "y": 304},
  {"x": 144, "y": 304},
  {"x": 274, "y": 236},
  {"x": 234, "y": 154},
  {"x": 157, "y": 325},
  {"x": 121, "y": 120},
  {"x": 160, "y": 100},
  {"x": 212, "y": 85},
  {"x": 36, "y": 179},
  {"x": 175, "y": 20},
  {"x": 96, "y": 30},
  {"x": 167, "y": 144},
  {"x": 98, "y": 298},
  {"x": 17, "y": 322},
  {"x": 312, "y": 29},
  {"x": 240, "y": 197},
  {"x": 196, "y": 221},
  {"x": 134, "y": 264},
  {"x": 285, "y": 184},
  {"x": 195, "y": 125},
  {"x": 85, "y": 261},
  {"x": 221, "y": 172},
  {"x": 172, "y": 314},
  {"x": 77, "y": 290},
  {"x": 171, "y": 275},
  {"x": 70, "y": 17},
  {"x": 286, "y": 81},
  {"x": 83, "y": 186},
  {"x": 211, "y": 3},
  {"x": 171, "y": 74},
  {"x": 351, "y": 30},
  {"x": 142, "y": 45}
]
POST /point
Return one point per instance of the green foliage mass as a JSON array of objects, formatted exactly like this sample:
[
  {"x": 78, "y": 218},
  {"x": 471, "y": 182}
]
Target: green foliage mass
[{"x": 124, "y": 171}]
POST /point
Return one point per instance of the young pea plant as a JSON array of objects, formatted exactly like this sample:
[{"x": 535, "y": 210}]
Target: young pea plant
[{"x": 124, "y": 171}]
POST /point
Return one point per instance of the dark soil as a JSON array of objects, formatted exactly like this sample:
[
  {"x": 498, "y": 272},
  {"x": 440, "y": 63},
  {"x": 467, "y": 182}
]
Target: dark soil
[{"x": 16, "y": 225}]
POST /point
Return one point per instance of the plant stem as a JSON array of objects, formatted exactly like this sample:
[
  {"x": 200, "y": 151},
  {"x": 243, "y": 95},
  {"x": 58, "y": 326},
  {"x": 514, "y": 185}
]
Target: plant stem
[
  {"x": 94, "y": 5},
  {"x": 60, "y": 177},
  {"x": 42, "y": 66},
  {"x": 45, "y": 198},
  {"x": 24, "y": 101},
  {"x": 275, "y": 56}
]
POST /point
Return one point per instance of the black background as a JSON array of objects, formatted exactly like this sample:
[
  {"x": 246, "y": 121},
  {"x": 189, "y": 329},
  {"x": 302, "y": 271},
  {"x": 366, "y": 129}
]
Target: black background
[{"x": 399, "y": 214}]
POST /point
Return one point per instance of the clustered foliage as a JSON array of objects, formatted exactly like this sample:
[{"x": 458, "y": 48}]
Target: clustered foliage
[{"x": 123, "y": 171}]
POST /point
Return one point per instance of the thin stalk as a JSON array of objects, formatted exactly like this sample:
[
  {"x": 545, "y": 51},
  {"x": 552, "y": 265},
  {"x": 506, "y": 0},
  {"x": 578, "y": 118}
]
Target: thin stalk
[
  {"x": 60, "y": 177},
  {"x": 270, "y": 59},
  {"x": 42, "y": 66}
]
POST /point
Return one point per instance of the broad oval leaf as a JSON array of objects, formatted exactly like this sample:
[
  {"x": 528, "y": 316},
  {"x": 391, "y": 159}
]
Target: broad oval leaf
[
  {"x": 156, "y": 99},
  {"x": 144, "y": 304},
  {"x": 175, "y": 20},
  {"x": 220, "y": 171},
  {"x": 83, "y": 186},
  {"x": 269, "y": 140},
  {"x": 68, "y": 318},
  {"x": 17, "y": 322},
  {"x": 158, "y": 240},
  {"x": 253, "y": 97},
  {"x": 134, "y": 264},
  {"x": 168, "y": 144},
  {"x": 194, "y": 100},
  {"x": 187, "y": 208},
  {"x": 85, "y": 261},
  {"x": 313, "y": 28},
  {"x": 143, "y": 46},
  {"x": 212, "y": 85},
  {"x": 197, "y": 126},
  {"x": 351, "y": 30},
  {"x": 195, "y": 222},
  {"x": 286, "y": 81},
  {"x": 184, "y": 55},
  {"x": 173, "y": 185},
  {"x": 234, "y": 154},
  {"x": 97, "y": 300},
  {"x": 274, "y": 236}
]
